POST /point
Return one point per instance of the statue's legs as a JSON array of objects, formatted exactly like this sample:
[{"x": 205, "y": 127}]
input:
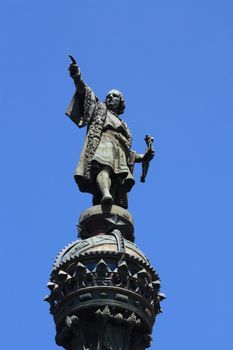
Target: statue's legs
[{"x": 103, "y": 181}]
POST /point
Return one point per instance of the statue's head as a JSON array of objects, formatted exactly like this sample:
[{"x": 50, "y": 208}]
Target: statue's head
[{"x": 115, "y": 101}]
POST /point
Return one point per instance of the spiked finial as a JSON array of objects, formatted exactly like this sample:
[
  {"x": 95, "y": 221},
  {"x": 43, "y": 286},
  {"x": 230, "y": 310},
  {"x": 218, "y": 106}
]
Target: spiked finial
[
  {"x": 101, "y": 268},
  {"x": 62, "y": 275}
]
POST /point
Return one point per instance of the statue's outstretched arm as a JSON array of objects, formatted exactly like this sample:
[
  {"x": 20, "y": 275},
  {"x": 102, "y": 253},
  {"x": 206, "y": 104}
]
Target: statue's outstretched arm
[
  {"x": 84, "y": 101},
  {"x": 75, "y": 74}
]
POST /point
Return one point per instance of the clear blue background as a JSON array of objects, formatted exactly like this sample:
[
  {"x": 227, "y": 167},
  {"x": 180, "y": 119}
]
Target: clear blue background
[{"x": 174, "y": 62}]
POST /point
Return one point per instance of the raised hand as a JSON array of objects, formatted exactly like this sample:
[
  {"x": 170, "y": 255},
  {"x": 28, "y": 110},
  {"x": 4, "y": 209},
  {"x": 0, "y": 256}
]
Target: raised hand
[{"x": 73, "y": 67}]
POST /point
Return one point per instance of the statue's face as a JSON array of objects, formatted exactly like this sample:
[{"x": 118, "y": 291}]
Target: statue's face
[{"x": 113, "y": 100}]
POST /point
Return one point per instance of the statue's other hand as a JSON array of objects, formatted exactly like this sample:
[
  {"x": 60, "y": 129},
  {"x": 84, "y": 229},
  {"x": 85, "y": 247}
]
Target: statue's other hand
[
  {"x": 74, "y": 69},
  {"x": 149, "y": 155}
]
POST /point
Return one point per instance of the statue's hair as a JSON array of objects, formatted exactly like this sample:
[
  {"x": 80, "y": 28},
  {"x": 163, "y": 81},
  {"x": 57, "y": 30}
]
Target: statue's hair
[
  {"x": 122, "y": 104},
  {"x": 122, "y": 101}
]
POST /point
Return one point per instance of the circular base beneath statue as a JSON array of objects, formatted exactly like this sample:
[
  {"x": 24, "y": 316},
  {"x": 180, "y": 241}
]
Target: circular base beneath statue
[
  {"x": 103, "y": 292},
  {"x": 95, "y": 221}
]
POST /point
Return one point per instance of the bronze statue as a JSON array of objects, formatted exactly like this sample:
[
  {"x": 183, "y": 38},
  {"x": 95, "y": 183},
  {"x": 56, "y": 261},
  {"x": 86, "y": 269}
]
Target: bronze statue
[
  {"x": 104, "y": 294},
  {"x": 105, "y": 168}
]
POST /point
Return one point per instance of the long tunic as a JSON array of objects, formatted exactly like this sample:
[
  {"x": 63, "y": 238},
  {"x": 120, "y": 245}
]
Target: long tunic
[{"x": 107, "y": 143}]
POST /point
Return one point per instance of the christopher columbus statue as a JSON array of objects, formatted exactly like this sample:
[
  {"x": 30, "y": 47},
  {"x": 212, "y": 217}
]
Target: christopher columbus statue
[{"x": 105, "y": 168}]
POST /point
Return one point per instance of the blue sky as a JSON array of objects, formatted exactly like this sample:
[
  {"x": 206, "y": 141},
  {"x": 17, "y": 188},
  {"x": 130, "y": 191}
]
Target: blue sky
[{"x": 173, "y": 62}]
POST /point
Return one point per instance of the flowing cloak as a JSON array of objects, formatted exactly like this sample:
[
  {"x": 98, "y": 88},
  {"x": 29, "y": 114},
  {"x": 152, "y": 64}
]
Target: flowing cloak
[{"x": 108, "y": 141}]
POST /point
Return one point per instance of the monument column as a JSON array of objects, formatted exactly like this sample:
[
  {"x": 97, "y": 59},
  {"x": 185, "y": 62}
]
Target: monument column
[{"x": 104, "y": 294}]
